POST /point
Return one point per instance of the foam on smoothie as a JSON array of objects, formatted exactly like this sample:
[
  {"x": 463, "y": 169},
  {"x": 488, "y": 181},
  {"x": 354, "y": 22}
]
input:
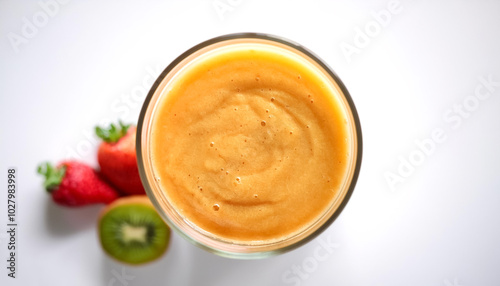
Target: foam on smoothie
[{"x": 250, "y": 143}]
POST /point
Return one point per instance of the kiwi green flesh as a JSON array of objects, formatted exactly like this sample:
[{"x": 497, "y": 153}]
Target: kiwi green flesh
[{"x": 133, "y": 233}]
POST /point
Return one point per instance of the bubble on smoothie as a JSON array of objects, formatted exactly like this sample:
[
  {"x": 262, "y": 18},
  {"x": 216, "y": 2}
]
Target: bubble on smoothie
[
  {"x": 212, "y": 144},
  {"x": 263, "y": 123},
  {"x": 216, "y": 207},
  {"x": 272, "y": 98}
]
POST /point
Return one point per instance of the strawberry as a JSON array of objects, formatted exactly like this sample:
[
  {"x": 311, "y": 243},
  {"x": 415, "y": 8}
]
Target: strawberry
[
  {"x": 75, "y": 184},
  {"x": 117, "y": 158}
]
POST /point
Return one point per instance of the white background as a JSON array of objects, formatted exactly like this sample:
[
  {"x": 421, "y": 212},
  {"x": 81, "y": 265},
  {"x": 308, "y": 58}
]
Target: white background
[{"x": 93, "y": 61}]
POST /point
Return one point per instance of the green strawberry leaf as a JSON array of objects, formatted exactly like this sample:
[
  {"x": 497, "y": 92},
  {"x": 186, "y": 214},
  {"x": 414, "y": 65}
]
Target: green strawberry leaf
[
  {"x": 53, "y": 176},
  {"x": 113, "y": 133}
]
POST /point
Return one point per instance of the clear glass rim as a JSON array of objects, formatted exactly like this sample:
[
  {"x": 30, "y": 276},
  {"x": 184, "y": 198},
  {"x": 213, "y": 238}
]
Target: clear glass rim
[{"x": 232, "y": 251}]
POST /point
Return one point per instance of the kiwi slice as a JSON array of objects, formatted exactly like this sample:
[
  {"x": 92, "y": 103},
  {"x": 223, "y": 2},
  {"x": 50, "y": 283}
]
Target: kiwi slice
[{"x": 131, "y": 231}]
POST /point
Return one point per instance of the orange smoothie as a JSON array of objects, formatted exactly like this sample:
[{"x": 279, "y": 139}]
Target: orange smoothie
[{"x": 250, "y": 144}]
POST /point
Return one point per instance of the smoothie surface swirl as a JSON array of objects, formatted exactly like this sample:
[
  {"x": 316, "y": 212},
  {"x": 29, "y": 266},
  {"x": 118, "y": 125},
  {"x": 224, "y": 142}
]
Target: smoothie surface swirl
[{"x": 250, "y": 144}]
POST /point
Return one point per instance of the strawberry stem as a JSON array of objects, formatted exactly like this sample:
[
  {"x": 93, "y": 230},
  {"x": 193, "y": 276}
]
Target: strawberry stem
[
  {"x": 113, "y": 133},
  {"x": 53, "y": 176}
]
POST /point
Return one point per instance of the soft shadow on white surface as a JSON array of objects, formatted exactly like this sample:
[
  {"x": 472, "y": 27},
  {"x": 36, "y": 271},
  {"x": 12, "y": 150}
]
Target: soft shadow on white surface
[
  {"x": 116, "y": 273},
  {"x": 62, "y": 221},
  {"x": 205, "y": 266},
  {"x": 170, "y": 269},
  {"x": 209, "y": 269},
  {"x": 154, "y": 273}
]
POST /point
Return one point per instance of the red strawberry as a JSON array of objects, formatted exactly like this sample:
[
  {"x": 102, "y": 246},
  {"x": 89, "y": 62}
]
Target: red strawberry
[
  {"x": 117, "y": 158},
  {"x": 75, "y": 184}
]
